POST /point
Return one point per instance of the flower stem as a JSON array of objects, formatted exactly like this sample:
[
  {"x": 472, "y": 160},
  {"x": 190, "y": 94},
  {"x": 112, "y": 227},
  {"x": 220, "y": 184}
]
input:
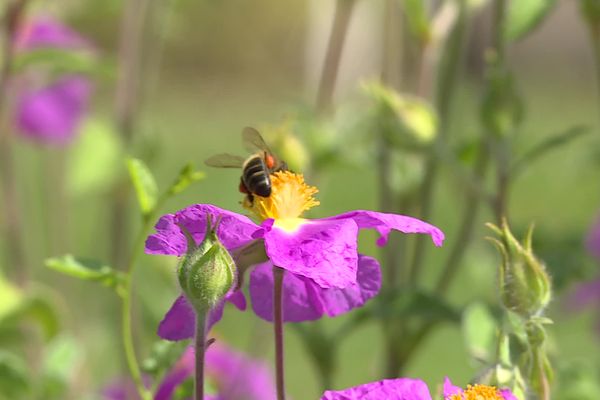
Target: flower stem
[
  {"x": 337, "y": 37},
  {"x": 200, "y": 352},
  {"x": 278, "y": 331},
  {"x": 12, "y": 224}
]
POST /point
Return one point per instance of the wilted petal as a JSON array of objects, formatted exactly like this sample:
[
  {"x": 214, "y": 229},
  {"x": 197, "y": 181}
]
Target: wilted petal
[
  {"x": 179, "y": 322},
  {"x": 387, "y": 389},
  {"x": 322, "y": 250},
  {"x": 384, "y": 223},
  {"x": 238, "y": 377},
  {"x": 183, "y": 369},
  {"x": 450, "y": 389},
  {"x": 48, "y": 32},
  {"x": 52, "y": 114},
  {"x": 303, "y": 300},
  {"x": 233, "y": 231}
]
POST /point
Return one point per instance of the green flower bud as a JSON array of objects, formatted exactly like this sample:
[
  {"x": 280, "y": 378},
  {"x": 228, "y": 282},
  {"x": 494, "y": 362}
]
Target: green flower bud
[
  {"x": 207, "y": 271},
  {"x": 525, "y": 286},
  {"x": 408, "y": 121}
]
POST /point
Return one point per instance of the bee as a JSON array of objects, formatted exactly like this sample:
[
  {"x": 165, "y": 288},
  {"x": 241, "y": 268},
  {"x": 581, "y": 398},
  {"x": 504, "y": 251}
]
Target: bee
[{"x": 256, "y": 169}]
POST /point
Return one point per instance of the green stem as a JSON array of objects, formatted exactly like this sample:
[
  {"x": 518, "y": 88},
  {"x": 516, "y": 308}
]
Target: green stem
[
  {"x": 278, "y": 331},
  {"x": 337, "y": 37},
  {"x": 200, "y": 352},
  {"x": 445, "y": 94}
]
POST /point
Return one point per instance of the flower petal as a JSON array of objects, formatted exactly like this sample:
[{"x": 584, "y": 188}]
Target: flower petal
[
  {"x": 508, "y": 395},
  {"x": 238, "y": 376},
  {"x": 321, "y": 250},
  {"x": 387, "y": 389},
  {"x": 304, "y": 300},
  {"x": 592, "y": 241},
  {"x": 300, "y": 302},
  {"x": 450, "y": 389},
  {"x": 179, "y": 322},
  {"x": 368, "y": 282},
  {"x": 45, "y": 31},
  {"x": 52, "y": 114},
  {"x": 183, "y": 369},
  {"x": 234, "y": 229},
  {"x": 585, "y": 294},
  {"x": 384, "y": 223}
]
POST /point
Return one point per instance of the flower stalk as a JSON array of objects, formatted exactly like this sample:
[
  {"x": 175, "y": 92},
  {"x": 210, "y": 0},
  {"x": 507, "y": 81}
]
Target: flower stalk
[
  {"x": 200, "y": 347},
  {"x": 278, "y": 331}
]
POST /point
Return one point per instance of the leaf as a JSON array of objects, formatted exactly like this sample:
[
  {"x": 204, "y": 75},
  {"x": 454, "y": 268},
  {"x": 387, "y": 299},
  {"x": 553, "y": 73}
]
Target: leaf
[
  {"x": 524, "y": 15},
  {"x": 87, "y": 270},
  {"x": 14, "y": 379},
  {"x": 186, "y": 177},
  {"x": 546, "y": 145},
  {"x": 480, "y": 330},
  {"x": 60, "y": 362},
  {"x": 163, "y": 356},
  {"x": 36, "y": 308},
  {"x": 144, "y": 183},
  {"x": 416, "y": 15},
  {"x": 94, "y": 158}
]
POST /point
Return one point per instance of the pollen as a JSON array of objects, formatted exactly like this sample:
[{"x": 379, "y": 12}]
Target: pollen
[
  {"x": 290, "y": 198},
  {"x": 478, "y": 392}
]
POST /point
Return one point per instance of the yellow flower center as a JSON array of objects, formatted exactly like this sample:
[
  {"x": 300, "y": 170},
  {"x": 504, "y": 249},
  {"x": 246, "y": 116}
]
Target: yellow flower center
[
  {"x": 478, "y": 392},
  {"x": 290, "y": 198}
]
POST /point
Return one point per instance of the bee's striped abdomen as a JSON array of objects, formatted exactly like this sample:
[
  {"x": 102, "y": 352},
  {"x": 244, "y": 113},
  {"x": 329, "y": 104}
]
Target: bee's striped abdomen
[{"x": 255, "y": 175}]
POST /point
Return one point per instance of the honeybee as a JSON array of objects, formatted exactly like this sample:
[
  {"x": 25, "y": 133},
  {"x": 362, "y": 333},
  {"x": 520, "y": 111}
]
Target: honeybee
[{"x": 256, "y": 169}]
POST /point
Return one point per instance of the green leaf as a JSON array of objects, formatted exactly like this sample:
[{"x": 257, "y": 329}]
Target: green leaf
[
  {"x": 61, "y": 62},
  {"x": 480, "y": 330},
  {"x": 37, "y": 308},
  {"x": 524, "y": 15},
  {"x": 14, "y": 378},
  {"x": 545, "y": 146},
  {"x": 144, "y": 183},
  {"x": 61, "y": 359},
  {"x": 186, "y": 177},
  {"x": 87, "y": 270},
  {"x": 416, "y": 15},
  {"x": 163, "y": 356},
  {"x": 94, "y": 159}
]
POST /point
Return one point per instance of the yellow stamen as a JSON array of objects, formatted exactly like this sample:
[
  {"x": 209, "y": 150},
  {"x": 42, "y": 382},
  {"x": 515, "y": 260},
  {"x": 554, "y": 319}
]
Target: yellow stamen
[
  {"x": 478, "y": 392},
  {"x": 290, "y": 198}
]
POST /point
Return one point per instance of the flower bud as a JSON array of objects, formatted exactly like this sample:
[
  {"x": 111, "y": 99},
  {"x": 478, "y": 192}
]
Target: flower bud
[
  {"x": 525, "y": 286},
  {"x": 207, "y": 271}
]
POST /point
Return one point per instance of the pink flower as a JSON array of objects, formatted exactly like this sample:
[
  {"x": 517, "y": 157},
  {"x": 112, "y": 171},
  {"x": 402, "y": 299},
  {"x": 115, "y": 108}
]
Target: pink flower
[{"x": 47, "y": 32}]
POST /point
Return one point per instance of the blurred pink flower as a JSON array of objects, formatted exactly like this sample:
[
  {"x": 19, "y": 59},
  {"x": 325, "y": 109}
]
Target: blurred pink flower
[
  {"x": 593, "y": 239},
  {"x": 48, "y": 32},
  {"x": 52, "y": 114}
]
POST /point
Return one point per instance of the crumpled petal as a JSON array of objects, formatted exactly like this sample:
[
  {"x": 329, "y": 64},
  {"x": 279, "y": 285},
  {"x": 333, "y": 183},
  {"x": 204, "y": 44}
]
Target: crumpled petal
[
  {"x": 52, "y": 114},
  {"x": 238, "y": 376},
  {"x": 387, "y": 389},
  {"x": 450, "y": 389},
  {"x": 384, "y": 223},
  {"x": 183, "y": 369},
  {"x": 179, "y": 322},
  {"x": 303, "y": 300},
  {"x": 322, "y": 250},
  {"x": 233, "y": 231}
]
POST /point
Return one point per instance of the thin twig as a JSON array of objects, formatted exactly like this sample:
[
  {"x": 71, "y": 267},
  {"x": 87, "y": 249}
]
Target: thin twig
[
  {"x": 278, "y": 331},
  {"x": 200, "y": 350}
]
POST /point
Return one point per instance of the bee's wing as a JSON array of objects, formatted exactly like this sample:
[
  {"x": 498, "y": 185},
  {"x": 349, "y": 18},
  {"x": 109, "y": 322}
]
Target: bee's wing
[
  {"x": 253, "y": 141},
  {"x": 225, "y": 160}
]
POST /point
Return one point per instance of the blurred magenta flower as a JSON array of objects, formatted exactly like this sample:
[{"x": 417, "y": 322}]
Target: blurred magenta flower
[
  {"x": 234, "y": 375},
  {"x": 325, "y": 273},
  {"x": 52, "y": 114},
  {"x": 415, "y": 389},
  {"x": 47, "y": 32}
]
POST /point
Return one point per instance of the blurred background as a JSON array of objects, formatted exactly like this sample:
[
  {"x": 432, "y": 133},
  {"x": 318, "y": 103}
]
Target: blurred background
[{"x": 202, "y": 70}]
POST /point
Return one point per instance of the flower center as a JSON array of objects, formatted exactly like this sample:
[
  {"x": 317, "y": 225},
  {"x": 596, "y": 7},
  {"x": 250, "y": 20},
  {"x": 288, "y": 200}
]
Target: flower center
[
  {"x": 290, "y": 198},
  {"x": 478, "y": 392}
]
